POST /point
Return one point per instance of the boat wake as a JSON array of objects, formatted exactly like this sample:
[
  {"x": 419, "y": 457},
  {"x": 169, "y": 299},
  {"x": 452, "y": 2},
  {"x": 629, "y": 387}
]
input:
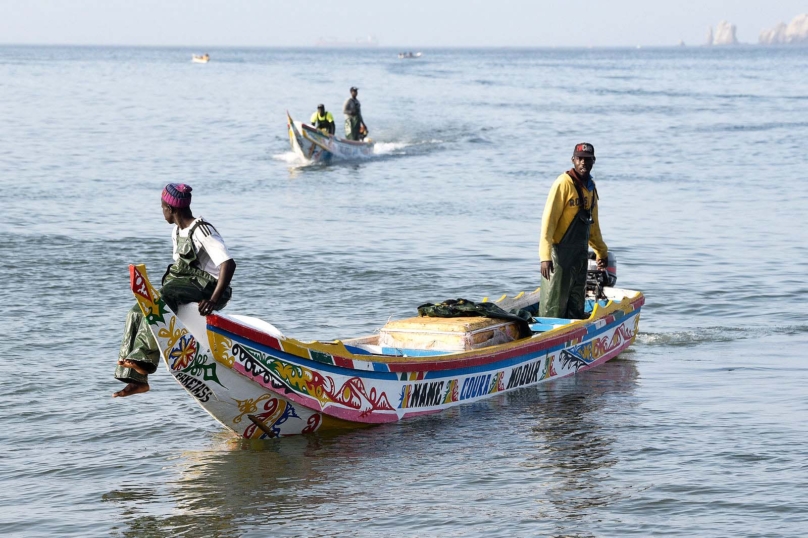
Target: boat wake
[
  {"x": 380, "y": 150},
  {"x": 289, "y": 157},
  {"x": 708, "y": 335},
  {"x": 389, "y": 148}
]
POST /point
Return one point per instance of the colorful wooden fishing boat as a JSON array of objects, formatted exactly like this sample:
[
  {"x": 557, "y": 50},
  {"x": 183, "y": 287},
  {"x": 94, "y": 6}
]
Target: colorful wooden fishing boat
[
  {"x": 316, "y": 146},
  {"x": 260, "y": 384}
]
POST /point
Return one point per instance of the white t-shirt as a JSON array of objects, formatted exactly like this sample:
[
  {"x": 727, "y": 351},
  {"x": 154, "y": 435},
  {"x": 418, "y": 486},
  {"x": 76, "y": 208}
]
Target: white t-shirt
[{"x": 209, "y": 246}]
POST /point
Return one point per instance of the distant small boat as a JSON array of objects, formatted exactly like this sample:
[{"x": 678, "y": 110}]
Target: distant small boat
[
  {"x": 405, "y": 55},
  {"x": 316, "y": 146},
  {"x": 203, "y": 59}
]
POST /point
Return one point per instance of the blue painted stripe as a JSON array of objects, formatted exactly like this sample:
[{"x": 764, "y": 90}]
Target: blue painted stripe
[
  {"x": 380, "y": 367},
  {"x": 357, "y": 350}
]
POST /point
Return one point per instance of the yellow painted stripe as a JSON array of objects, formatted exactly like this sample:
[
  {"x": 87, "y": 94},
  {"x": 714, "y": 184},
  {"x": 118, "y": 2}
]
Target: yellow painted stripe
[{"x": 294, "y": 349}]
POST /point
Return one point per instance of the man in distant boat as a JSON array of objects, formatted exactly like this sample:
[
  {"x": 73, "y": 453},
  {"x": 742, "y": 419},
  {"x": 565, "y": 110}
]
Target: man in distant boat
[
  {"x": 323, "y": 121},
  {"x": 569, "y": 225},
  {"x": 201, "y": 273},
  {"x": 355, "y": 128}
]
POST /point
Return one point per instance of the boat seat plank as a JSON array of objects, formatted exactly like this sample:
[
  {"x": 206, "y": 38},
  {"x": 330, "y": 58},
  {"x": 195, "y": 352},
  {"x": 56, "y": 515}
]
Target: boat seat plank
[{"x": 542, "y": 325}]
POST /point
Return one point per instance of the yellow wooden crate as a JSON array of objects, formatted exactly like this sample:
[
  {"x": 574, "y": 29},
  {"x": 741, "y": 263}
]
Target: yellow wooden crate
[{"x": 447, "y": 334}]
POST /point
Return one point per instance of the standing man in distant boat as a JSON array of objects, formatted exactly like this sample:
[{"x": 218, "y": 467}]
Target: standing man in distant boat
[
  {"x": 569, "y": 225},
  {"x": 201, "y": 273},
  {"x": 322, "y": 120},
  {"x": 355, "y": 128}
]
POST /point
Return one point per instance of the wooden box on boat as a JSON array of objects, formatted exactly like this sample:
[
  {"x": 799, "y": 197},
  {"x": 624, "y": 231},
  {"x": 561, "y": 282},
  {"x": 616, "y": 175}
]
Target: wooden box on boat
[{"x": 447, "y": 334}]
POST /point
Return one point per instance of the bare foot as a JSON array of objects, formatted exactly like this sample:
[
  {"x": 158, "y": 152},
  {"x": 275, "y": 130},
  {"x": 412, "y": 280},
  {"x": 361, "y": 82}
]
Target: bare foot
[
  {"x": 132, "y": 388},
  {"x": 133, "y": 365}
]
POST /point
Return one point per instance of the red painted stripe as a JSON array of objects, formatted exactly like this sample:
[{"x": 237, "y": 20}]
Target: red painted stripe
[
  {"x": 343, "y": 362},
  {"x": 241, "y": 330}
]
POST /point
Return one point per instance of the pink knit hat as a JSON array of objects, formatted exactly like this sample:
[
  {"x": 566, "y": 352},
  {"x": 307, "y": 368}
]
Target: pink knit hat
[{"x": 177, "y": 194}]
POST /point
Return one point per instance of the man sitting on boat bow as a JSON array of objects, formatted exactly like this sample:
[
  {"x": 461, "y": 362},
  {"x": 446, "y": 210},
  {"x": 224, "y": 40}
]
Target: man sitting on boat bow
[
  {"x": 322, "y": 120},
  {"x": 569, "y": 224},
  {"x": 201, "y": 273}
]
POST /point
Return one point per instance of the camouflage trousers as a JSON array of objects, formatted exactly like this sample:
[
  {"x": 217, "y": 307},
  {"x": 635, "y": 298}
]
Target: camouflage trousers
[
  {"x": 564, "y": 295},
  {"x": 138, "y": 343}
]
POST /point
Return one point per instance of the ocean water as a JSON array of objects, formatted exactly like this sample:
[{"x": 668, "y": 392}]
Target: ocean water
[{"x": 698, "y": 430}]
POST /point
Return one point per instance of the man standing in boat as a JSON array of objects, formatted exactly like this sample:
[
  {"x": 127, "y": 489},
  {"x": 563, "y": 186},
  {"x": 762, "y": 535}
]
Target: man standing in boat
[
  {"x": 201, "y": 273},
  {"x": 355, "y": 128},
  {"x": 322, "y": 120},
  {"x": 569, "y": 225}
]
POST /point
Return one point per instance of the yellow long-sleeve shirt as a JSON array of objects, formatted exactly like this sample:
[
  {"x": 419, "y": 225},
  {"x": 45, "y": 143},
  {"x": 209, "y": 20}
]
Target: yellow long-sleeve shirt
[{"x": 561, "y": 207}]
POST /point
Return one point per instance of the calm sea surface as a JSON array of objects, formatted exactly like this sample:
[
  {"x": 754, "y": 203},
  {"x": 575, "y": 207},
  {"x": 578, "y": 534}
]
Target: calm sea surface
[{"x": 700, "y": 429}]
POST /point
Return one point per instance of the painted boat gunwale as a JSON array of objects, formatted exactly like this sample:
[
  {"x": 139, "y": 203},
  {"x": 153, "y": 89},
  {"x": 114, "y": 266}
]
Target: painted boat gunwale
[
  {"x": 381, "y": 416},
  {"x": 429, "y": 373},
  {"x": 496, "y": 362},
  {"x": 342, "y": 357}
]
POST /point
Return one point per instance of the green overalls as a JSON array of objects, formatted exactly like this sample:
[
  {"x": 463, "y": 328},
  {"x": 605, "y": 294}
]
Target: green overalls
[
  {"x": 352, "y": 126},
  {"x": 353, "y": 118},
  {"x": 564, "y": 295},
  {"x": 182, "y": 284}
]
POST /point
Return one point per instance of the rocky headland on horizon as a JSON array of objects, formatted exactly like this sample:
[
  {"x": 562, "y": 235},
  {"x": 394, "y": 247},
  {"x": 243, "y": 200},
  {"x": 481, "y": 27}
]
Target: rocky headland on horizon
[{"x": 794, "y": 33}]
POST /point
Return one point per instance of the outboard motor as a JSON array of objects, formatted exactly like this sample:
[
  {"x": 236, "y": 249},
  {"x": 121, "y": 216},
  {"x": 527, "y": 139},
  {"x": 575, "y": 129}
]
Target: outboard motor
[{"x": 597, "y": 279}]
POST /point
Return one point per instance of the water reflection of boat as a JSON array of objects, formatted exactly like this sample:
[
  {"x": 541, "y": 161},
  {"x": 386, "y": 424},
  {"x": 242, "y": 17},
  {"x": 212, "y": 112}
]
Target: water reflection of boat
[
  {"x": 260, "y": 383},
  {"x": 574, "y": 441},
  {"x": 218, "y": 491},
  {"x": 315, "y": 146},
  {"x": 203, "y": 59}
]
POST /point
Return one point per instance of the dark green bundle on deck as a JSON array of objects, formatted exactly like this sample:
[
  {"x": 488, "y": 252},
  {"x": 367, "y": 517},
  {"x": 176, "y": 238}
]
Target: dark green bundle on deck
[{"x": 460, "y": 308}]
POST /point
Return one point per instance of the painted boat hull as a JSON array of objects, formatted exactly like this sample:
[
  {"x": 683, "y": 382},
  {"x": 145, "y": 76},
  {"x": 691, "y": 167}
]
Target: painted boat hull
[
  {"x": 314, "y": 146},
  {"x": 261, "y": 384}
]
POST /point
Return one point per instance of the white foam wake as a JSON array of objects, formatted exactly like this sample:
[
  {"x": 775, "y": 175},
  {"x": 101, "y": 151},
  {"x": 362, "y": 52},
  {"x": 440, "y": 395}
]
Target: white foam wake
[
  {"x": 386, "y": 148},
  {"x": 288, "y": 157}
]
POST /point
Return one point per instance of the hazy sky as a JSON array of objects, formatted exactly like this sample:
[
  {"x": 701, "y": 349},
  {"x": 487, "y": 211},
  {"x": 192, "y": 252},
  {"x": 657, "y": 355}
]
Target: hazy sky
[{"x": 404, "y": 23}]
